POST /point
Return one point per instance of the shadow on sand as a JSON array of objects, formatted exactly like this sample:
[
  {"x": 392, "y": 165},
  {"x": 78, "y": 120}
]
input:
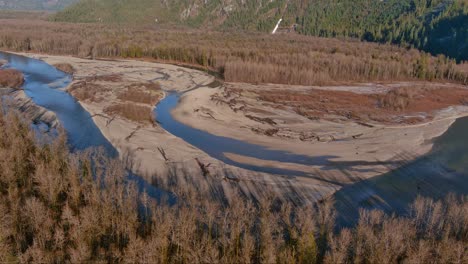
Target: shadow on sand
[{"x": 444, "y": 170}]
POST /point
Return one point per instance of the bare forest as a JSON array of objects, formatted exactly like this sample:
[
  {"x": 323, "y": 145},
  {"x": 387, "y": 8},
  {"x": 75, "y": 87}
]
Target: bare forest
[
  {"x": 239, "y": 57},
  {"x": 64, "y": 206},
  {"x": 57, "y": 206}
]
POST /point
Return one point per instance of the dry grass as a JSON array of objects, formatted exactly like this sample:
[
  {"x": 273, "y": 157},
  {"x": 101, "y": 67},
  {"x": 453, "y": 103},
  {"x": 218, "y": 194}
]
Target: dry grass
[
  {"x": 133, "y": 112},
  {"x": 58, "y": 207},
  {"x": 65, "y": 67},
  {"x": 88, "y": 91},
  {"x": 114, "y": 77},
  {"x": 144, "y": 93},
  {"x": 399, "y": 99},
  {"x": 138, "y": 96},
  {"x": 147, "y": 86},
  {"x": 240, "y": 57},
  {"x": 11, "y": 78},
  {"x": 387, "y": 108}
]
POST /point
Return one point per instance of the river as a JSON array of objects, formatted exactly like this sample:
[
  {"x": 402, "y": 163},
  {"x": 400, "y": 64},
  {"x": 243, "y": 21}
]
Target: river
[
  {"x": 443, "y": 170},
  {"x": 44, "y": 85},
  {"x": 216, "y": 146}
]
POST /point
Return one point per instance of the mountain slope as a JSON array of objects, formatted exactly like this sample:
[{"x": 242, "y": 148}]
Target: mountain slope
[
  {"x": 437, "y": 26},
  {"x": 35, "y": 4}
]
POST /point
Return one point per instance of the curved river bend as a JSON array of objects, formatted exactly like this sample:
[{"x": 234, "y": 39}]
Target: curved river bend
[
  {"x": 216, "y": 146},
  {"x": 443, "y": 170},
  {"x": 44, "y": 84}
]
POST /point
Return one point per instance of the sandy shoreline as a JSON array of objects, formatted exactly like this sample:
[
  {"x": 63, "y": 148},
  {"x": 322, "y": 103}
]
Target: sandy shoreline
[
  {"x": 370, "y": 149},
  {"x": 139, "y": 144},
  {"x": 17, "y": 99},
  {"x": 353, "y": 151}
]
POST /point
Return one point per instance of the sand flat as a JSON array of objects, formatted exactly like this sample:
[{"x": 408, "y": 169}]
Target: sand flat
[{"x": 353, "y": 151}]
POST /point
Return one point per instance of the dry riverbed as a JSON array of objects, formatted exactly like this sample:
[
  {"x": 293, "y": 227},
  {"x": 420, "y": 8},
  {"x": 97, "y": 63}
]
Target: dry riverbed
[
  {"x": 362, "y": 130},
  {"x": 379, "y": 133}
]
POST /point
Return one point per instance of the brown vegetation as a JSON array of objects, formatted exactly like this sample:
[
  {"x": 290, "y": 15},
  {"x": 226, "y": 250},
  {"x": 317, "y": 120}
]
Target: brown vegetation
[
  {"x": 16, "y": 14},
  {"x": 144, "y": 93},
  {"x": 136, "y": 100},
  {"x": 113, "y": 77},
  {"x": 59, "y": 207},
  {"x": 65, "y": 67},
  {"x": 399, "y": 99},
  {"x": 130, "y": 111},
  {"x": 84, "y": 91},
  {"x": 388, "y": 107},
  {"x": 241, "y": 57},
  {"x": 148, "y": 86},
  {"x": 11, "y": 78},
  {"x": 138, "y": 96}
]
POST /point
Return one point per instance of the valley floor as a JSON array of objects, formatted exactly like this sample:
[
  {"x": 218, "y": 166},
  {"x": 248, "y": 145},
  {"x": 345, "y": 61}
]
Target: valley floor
[{"x": 349, "y": 144}]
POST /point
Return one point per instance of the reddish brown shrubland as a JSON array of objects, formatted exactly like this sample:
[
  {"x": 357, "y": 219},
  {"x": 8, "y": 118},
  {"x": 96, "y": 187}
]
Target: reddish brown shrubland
[
  {"x": 113, "y": 77},
  {"x": 138, "y": 96},
  {"x": 11, "y": 78},
  {"x": 84, "y": 91},
  {"x": 147, "y": 87},
  {"x": 61, "y": 207},
  {"x": 241, "y": 57},
  {"x": 131, "y": 112},
  {"x": 398, "y": 99},
  {"x": 65, "y": 67},
  {"x": 386, "y": 107},
  {"x": 144, "y": 93}
]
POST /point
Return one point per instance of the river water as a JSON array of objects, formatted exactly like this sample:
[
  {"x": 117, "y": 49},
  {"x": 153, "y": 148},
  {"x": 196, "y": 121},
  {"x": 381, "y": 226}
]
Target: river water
[
  {"x": 44, "y": 84},
  {"x": 443, "y": 170},
  {"x": 216, "y": 146}
]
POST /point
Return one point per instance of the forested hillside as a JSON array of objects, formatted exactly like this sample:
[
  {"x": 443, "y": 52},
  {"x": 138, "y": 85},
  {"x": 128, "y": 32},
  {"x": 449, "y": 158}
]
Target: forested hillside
[
  {"x": 437, "y": 26},
  {"x": 35, "y": 4}
]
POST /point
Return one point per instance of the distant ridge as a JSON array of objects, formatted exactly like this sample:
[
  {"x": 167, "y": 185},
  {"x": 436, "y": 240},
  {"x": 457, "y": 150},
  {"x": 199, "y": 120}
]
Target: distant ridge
[
  {"x": 437, "y": 26},
  {"x": 35, "y": 4}
]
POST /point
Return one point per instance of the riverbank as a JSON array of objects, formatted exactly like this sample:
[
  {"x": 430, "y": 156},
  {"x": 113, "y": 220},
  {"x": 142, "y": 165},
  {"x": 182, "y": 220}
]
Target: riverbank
[
  {"x": 354, "y": 148},
  {"x": 348, "y": 150},
  {"x": 151, "y": 151},
  {"x": 14, "y": 97},
  {"x": 37, "y": 115}
]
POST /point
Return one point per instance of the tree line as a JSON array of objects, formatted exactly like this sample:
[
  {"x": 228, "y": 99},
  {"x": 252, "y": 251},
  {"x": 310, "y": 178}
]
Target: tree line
[
  {"x": 435, "y": 26},
  {"x": 239, "y": 57},
  {"x": 58, "y": 207}
]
